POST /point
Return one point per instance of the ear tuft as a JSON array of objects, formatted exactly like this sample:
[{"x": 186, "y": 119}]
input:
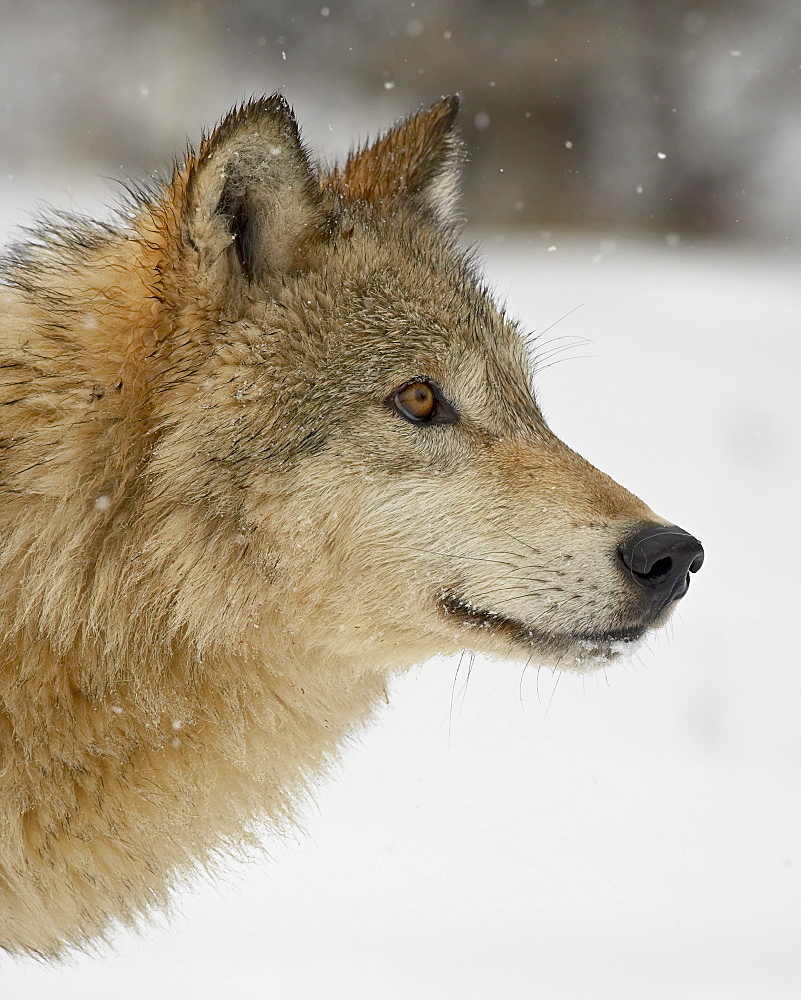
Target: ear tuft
[
  {"x": 416, "y": 162},
  {"x": 253, "y": 205}
]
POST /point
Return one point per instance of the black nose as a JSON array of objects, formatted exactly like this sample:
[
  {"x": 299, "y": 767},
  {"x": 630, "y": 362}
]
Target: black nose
[{"x": 660, "y": 560}]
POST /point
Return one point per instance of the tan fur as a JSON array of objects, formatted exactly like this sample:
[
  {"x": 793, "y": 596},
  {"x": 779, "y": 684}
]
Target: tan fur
[{"x": 218, "y": 541}]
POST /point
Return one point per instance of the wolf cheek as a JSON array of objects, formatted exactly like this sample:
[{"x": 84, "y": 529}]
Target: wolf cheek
[{"x": 543, "y": 554}]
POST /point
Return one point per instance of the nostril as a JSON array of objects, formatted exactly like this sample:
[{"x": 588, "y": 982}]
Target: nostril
[{"x": 659, "y": 571}]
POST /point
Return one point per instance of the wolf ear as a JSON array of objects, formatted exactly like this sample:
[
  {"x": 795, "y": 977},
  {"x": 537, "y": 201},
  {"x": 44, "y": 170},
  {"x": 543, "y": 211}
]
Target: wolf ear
[
  {"x": 416, "y": 162},
  {"x": 253, "y": 207}
]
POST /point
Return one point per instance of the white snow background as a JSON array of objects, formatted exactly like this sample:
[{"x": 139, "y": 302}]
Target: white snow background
[{"x": 517, "y": 834}]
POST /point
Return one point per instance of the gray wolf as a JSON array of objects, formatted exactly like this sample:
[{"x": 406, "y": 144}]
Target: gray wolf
[{"x": 266, "y": 441}]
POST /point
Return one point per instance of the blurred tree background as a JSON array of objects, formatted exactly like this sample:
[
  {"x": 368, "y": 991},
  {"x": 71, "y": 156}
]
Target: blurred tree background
[{"x": 678, "y": 116}]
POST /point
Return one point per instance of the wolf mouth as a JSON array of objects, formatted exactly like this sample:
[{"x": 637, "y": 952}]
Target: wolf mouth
[{"x": 611, "y": 642}]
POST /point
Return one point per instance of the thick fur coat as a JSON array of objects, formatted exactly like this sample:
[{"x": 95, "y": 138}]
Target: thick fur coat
[{"x": 264, "y": 442}]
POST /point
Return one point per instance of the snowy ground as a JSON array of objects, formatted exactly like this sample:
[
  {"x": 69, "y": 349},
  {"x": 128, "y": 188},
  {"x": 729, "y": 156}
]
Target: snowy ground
[{"x": 634, "y": 835}]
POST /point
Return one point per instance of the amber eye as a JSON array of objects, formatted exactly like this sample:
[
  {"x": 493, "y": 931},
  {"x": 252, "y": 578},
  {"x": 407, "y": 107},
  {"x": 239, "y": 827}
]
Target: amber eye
[
  {"x": 421, "y": 402},
  {"x": 416, "y": 402}
]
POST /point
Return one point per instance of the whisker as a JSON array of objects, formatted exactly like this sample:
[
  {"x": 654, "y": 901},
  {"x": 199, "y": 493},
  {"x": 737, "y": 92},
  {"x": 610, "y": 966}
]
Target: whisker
[
  {"x": 557, "y": 361},
  {"x": 535, "y": 593},
  {"x": 453, "y": 694},
  {"x": 526, "y": 665},
  {"x": 553, "y": 692},
  {"x": 470, "y": 664},
  {"x": 543, "y": 347},
  {"x": 556, "y": 350},
  {"x": 522, "y": 542},
  {"x": 457, "y": 555},
  {"x": 561, "y": 319}
]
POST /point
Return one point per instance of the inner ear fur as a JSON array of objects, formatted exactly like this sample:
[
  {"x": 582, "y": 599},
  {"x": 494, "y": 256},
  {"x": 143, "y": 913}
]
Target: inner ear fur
[
  {"x": 253, "y": 204},
  {"x": 417, "y": 162}
]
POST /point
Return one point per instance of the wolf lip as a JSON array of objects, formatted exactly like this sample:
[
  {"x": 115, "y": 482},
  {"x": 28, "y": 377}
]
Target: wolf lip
[{"x": 470, "y": 616}]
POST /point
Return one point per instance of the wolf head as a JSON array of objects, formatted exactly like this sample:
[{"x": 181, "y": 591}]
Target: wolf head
[
  {"x": 356, "y": 417},
  {"x": 264, "y": 441}
]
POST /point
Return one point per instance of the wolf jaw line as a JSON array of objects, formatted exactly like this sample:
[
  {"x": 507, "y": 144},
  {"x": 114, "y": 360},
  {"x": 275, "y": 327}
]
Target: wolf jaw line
[{"x": 219, "y": 540}]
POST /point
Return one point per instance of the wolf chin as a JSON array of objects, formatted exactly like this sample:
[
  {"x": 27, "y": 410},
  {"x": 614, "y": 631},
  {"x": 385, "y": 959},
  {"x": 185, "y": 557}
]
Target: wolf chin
[{"x": 265, "y": 442}]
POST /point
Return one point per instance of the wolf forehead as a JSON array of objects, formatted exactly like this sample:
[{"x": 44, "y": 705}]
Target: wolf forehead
[
  {"x": 365, "y": 276},
  {"x": 382, "y": 311}
]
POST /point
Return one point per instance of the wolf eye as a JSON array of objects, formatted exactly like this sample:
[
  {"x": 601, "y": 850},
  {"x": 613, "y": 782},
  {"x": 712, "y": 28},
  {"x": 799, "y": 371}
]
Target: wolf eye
[
  {"x": 416, "y": 401},
  {"x": 420, "y": 402}
]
